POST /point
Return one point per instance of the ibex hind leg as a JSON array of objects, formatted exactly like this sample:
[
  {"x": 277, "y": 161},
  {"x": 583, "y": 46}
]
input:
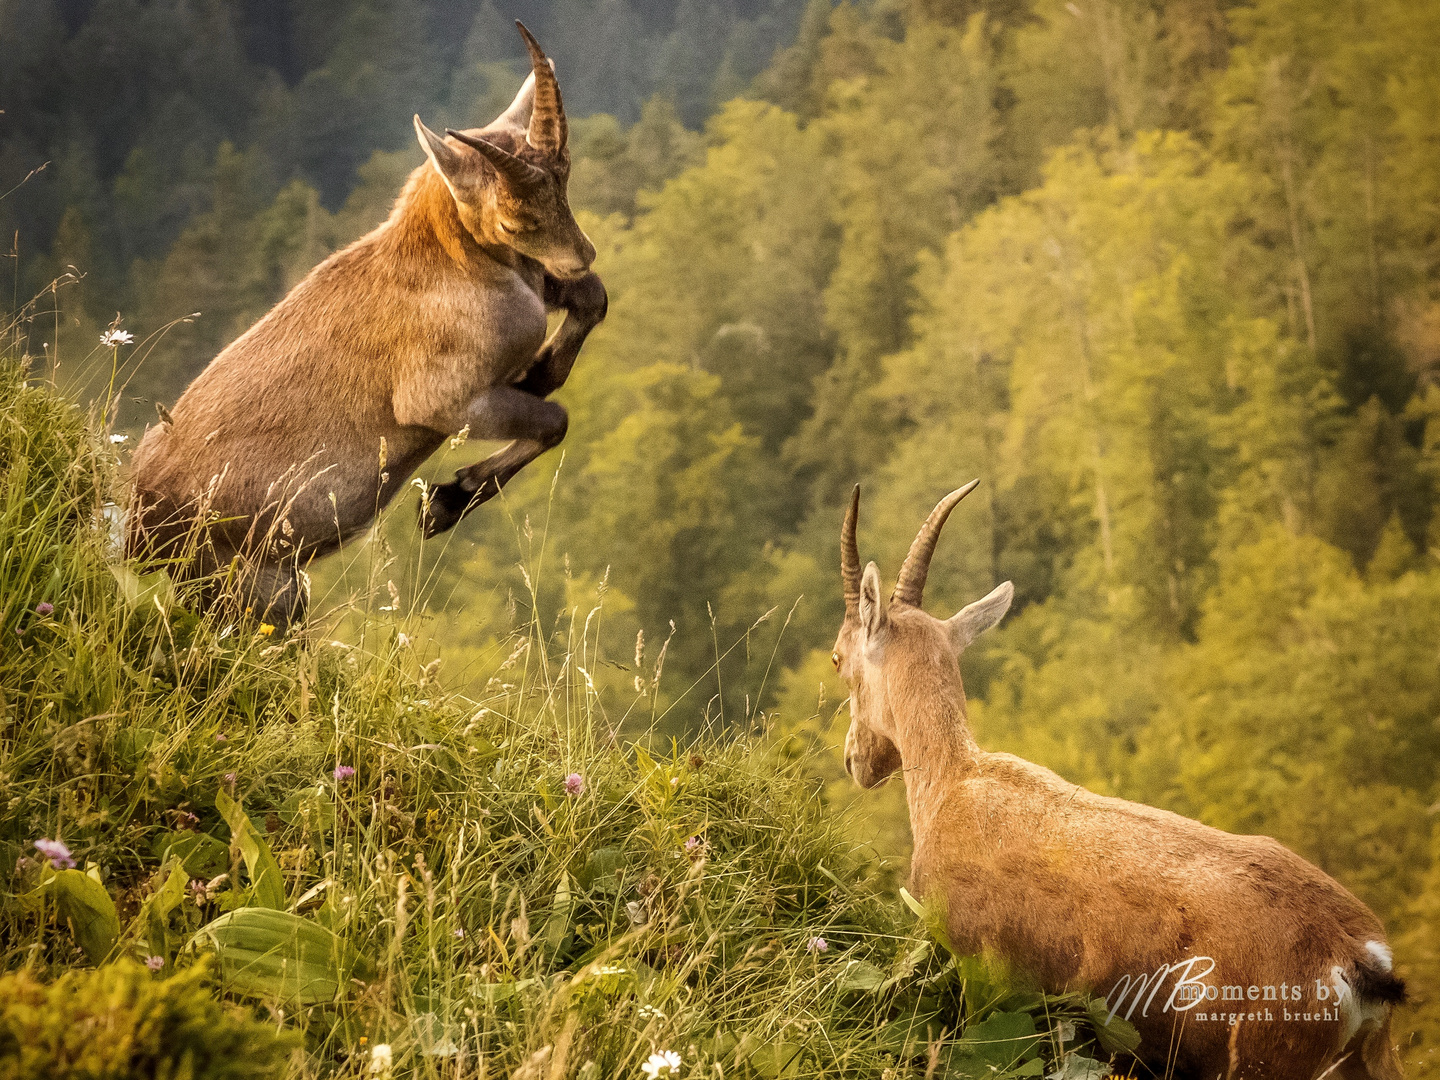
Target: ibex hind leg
[
  {"x": 532, "y": 424},
  {"x": 272, "y": 593},
  {"x": 446, "y": 504},
  {"x": 1371, "y": 1056},
  {"x": 281, "y": 594}
]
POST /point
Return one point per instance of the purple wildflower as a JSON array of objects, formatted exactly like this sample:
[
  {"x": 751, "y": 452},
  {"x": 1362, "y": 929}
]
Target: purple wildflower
[
  {"x": 693, "y": 845},
  {"x": 58, "y": 854},
  {"x": 44, "y": 608},
  {"x": 220, "y": 737},
  {"x": 343, "y": 772},
  {"x": 574, "y": 784},
  {"x": 184, "y": 819},
  {"x": 230, "y": 779},
  {"x": 817, "y": 945},
  {"x": 154, "y": 963}
]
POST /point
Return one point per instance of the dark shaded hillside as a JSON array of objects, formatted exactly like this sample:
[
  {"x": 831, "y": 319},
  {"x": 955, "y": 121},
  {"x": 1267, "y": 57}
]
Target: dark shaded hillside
[{"x": 139, "y": 93}]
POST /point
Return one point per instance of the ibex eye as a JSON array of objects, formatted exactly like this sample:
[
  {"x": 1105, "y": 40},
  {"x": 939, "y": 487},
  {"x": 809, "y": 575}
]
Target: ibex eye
[{"x": 835, "y": 659}]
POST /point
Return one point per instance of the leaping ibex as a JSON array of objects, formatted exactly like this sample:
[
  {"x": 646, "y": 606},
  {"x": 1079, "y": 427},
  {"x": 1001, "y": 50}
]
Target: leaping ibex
[
  {"x": 295, "y": 436},
  {"x": 1233, "y": 956}
]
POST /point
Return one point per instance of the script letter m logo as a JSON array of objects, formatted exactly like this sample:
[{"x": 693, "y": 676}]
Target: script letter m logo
[{"x": 1134, "y": 990}]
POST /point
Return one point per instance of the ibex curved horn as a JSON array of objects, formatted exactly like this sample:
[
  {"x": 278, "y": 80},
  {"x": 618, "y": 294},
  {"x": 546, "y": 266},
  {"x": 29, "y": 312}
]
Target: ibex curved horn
[
  {"x": 910, "y": 585},
  {"x": 548, "y": 129},
  {"x": 850, "y": 555},
  {"x": 506, "y": 164}
]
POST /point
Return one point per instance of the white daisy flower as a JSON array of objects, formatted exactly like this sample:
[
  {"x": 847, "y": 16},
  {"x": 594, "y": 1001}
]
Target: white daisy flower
[
  {"x": 111, "y": 338},
  {"x": 381, "y": 1059},
  {"x": 665, "y": 1063}
]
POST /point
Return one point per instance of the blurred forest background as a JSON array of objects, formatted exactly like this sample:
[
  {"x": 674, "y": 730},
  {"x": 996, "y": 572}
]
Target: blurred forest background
[{"x": 1164, "y": 273}]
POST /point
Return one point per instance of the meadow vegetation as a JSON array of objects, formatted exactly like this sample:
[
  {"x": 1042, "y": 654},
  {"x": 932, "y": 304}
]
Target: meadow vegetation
[{"x": 378, "y": 876}]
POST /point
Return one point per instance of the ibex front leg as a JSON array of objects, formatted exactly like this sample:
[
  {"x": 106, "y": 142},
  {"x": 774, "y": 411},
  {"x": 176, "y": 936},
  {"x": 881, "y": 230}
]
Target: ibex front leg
[
  {"x": 585, "y": 303},
  {"x": 520, "y": 412}
]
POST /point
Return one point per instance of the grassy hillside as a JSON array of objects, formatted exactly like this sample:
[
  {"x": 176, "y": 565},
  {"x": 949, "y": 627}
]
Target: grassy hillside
[{"x": 296, "y": 856}]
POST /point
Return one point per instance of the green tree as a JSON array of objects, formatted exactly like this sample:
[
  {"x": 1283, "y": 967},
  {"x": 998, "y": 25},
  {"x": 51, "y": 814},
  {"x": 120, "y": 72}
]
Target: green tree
[
  {"x": 228, "y": 267},
  {"x": 1306, "y": 710},
  {"x": 913, "y": 162}
]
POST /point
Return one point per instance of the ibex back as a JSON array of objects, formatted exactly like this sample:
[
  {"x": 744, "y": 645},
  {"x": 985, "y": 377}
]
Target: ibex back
[
  {"x": 1234, "y": 957},
  {"x": 301, "y": 430}
]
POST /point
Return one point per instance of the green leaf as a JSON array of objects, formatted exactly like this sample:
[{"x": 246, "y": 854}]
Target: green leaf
[
  {"x": 721, "y": 1047},
  {"x": 1078, "y": 1067},
  {"x": 913, "y": 904},
  {"x": 908, "y": 1034},
  {"x": 482, "y": 749},
  {"x": 274, "y": 954},
  {"x": 906, "y": 970},
  {"x": 440, "y": 758},
  {"x": 985, "y": 986},
  {"x": 862, "y": 977},
  {"x": 267, "y": 886},
  {"x": 82, "y": 902},
  {"x": 154, "y": 918},
  {"x": 1116, "y": 1034},
  {"x": 144, "y": 591},
  {"x": 644, "y": 763},
  {"x": 931, "y": 916},
  {"x": 602, "y": 870},
  {"x": 493, "y": 993},
  {"x": 132, "y": 745},
  {"x": 1001, "y": 1042},
  {"x": 775, "y": 1060},
  {"x": 310, "y": 807},
  {"x": 557, "y": 926},
  {"x": 200, "y": 853}
]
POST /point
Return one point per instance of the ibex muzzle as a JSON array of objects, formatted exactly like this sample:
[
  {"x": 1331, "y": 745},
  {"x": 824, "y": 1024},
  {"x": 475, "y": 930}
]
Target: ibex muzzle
[
  {"x": 302, "y": 429},
  {"x": 1233, "y": 956}
]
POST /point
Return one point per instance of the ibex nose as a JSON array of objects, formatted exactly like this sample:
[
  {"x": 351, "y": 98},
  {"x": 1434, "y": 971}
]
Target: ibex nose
[
  {"x": 569, "y": 271},
  {"x": 578, "y": 264}
]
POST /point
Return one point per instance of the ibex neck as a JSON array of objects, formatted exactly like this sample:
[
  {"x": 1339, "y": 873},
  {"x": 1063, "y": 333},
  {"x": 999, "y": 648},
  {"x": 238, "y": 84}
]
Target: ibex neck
[
  {"x": 935, "y": 747},
  {"x": 428, "y": 225}
]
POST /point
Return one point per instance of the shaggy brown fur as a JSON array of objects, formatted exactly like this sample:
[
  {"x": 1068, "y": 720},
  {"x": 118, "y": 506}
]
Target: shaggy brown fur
[
  {"x": 301, "y": 430},
  {"x": 1086, "y": 892}
]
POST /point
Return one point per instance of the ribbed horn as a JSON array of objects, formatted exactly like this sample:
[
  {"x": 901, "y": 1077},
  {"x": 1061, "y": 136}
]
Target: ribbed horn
[
  {"x": 506, "y": 164},
  {"x": 850, "y": 555},
  {"x": 910, "y": 585},
  {"x": 548, "y": 130}
]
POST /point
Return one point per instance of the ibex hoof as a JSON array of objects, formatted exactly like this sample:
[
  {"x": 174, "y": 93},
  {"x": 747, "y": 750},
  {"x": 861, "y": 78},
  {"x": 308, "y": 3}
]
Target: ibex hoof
[
  {"x": 591, "y": 299},
  {"x": 444, "y": 507}
]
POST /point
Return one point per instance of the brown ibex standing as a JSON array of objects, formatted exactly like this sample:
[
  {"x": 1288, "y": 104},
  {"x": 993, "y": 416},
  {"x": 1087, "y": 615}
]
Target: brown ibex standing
[
  {"x": 1209, "y": 943},
  {"x": 295, "y": 436}
]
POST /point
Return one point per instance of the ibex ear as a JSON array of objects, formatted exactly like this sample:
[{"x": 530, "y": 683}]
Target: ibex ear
[
  {"x": 974, "y": 619},
  {"x": 518, "y": 114},
  {"x": 874, "y": 608},
  {"x": 448, "y": 161}
]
